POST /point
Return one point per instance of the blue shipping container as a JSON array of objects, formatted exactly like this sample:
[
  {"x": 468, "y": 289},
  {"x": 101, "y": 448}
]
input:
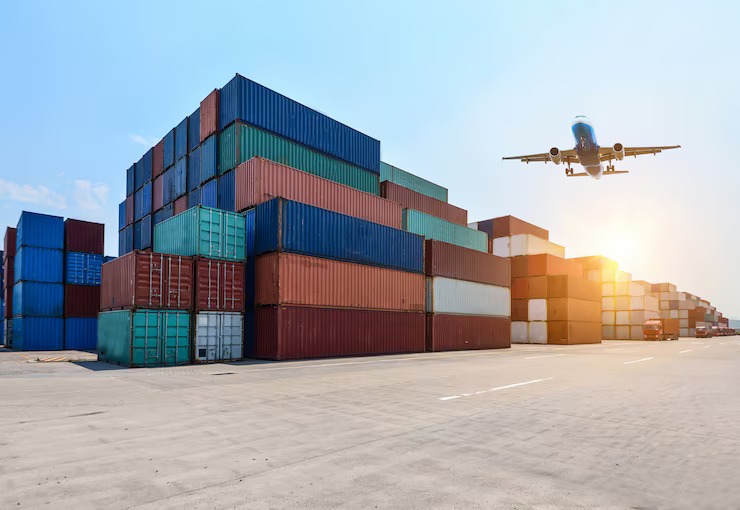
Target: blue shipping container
[
  {"x": 126, "y": 241},
  {"x": 83, "y": 268},
  {"x": 38, "y": 333},
  {"x": 37, "y": 299},
  {"x": 168, "y": 185},
  {"x": 181, "y": 177},
  {"x": 143, "y": 202},
  {"x": 194, "y": 198},
  {"x": 194, "y": 130},
  {"x": 130, "y": 180},
  {"x": 145, "y": 233},
  {"x": 194, "y": 169},
  {"x": 143, "y": 170},
  {"x": 181, "y": 139},
  {"x": 242, "y": 99},
  {"x": 227, "y": 191},
  {"x": 39, "y": 265},
  {"x": 40, "y": 230},
  {"x": 169, "y": 148},
  {"x": 284, "y": 225},
  {"x": 209, "y": 194},
  {"x": 209, "y": 159},
  {"x": 81, "y": 334},
  {"x": 122, "y": 215}
]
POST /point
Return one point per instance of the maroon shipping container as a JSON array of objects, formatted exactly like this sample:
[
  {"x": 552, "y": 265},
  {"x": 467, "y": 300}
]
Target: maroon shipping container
[
  {"x": 410, "y": 199},
  {"x": 81, "y": 300},
  {"x": 84, "y": 236},
  {"x": 259, "y": 180},
  {"x": 129, "y": 210},
  {"x": 9, "y": 270},
  {"x": 219, "y": 285},
  {"x": 147, "y": 280},
  {"x": 299, "y": 280},
  {"x": 510, "y": 226},
  {"x": 158, "y": 159},
  {"x": 452, "y": 261},
  {"x": 520, "y": 310},
  {"x": 157, "y": 194},
  {"x": 209, "y": 115},
  {"x": 465, "y": 332},
  {"x": 181, "y": 205},
  {"x": 295, "y": 333},
  {"x": 9, "y": 243}
]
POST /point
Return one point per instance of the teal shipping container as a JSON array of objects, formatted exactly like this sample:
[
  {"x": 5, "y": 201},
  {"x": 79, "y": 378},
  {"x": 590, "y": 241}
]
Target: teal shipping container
[
  {"x": 412, "y": 182},
  {"x": 204, "y": 232},
  {"x": 144, "y": 338},
  {"x": 438, "y": 229}
]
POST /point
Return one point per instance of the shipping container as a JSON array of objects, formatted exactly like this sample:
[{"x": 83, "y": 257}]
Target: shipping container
[
  {"x": 209, "y": 194},
  {"x": 38, "y": 333},
  {"x": 81, "y": 333},
  {"x": 466, "y": 332},
  {"x": 131, "y": 180},
  {"x": 143, "y": 170},
  {"x": 193, "y": 199},
  {"x": 259, "y": 180},
  {"x": 169, "y": 149},
  {"x": 181, "y": 139},
  {"x": 194, "y": 170},
  {"x": 168, "y": 186},
  {"x": 158, "y": 159},
  {"x": 292, "y": 279},
  {"x": 147, "y": 280},
  {"x": 284, "y": 333},
  {"x": 506, "y": 226},
  {"x": 82, "y": 268},
  {"x": 38, "y": 299},
  {"x": 194, "y": 130},
  {"x": 244, "y": 100},
  {"x": 9, "y": 243},
  {"x": 209, "y": 159},
  {"x": 441, "y": 230},
  {"x": 122, "y": 215},
  {"x": 81, "y": 300},
  {"x": 564, "y": 286},
  {"x": 209, "y": 115},
  {"x": 226, "y": 191},
  {"x": 283, "y": 225},
  {"x": 573, "y": 333},
  {"x": 410, "y": 199},
  {"x": 204, "y": 232},
  {"x": 240, "y": 143},
  {"x": 181, "y": 178},
  {"x": 39, "y": 265},
  {"x": 452, "y": 261},
  {"x": 126, "y": 240},
  {"x": 158, "y": 193},
  {"x": 144, "y": 338},
  {"x": 9, "y": 279},
  {"x": 525, "y": 244},
  {"x": 143, "y": 202},
  {"x": 413, "y": 182},
  {"x": 84, "y": 236},
  {"x": 219, "y": 285},
  {"x": 130, "y": 210},
  {"x": 579, "y": 310},
  {"x": 181, "y": 205},
  {"x": 217, "y": 336},
  {"x": 8, "y": 333},
  {"x": 40, "y": 230},
  {"x": 520, "y": 310},
  {"x": 537, "y": 309},
  {"x": 448, "y": 296},
  {"x": 143, "y": 233}
]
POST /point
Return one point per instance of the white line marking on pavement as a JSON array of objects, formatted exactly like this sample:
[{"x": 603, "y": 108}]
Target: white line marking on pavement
[
  {"x": 688, "y": 350},
  {"x": 547, "y": 356},
  {"x": 452, "y": 397},
  {"x": 621, "y": 348},
  {"x": 637, "y": 361},
  {"x": 706, "y": 347}
]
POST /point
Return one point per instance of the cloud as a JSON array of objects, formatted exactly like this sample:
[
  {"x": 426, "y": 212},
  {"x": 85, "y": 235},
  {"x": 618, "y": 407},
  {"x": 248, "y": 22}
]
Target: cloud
[
  {"x": 39, "y": 195},
  {"x": 143, "y": 140},
  {"x": 91, "y": 196}
]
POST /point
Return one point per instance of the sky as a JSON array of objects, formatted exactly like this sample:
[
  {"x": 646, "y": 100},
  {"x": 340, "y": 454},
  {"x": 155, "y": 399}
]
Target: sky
[{"x": 448, "y": 87}]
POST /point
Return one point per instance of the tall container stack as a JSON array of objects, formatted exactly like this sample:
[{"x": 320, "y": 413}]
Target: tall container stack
[
  {"x": 2, "y": 302},
  {"x": 9, "y": 250},
  {"x": 690, "y": 310},
  {"x": 38, "y": 293},
  {"x": 626, "y": 306},
  {"x": 84, "y": 244}
]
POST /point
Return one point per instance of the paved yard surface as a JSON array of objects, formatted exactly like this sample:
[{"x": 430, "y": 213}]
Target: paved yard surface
[{"x": 617, "y": 425}]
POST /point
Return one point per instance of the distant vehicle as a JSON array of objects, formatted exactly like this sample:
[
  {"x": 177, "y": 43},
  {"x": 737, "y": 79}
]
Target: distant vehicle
[
  {"x": 703, "y": 332},
  {"x": 661, "y": 329},
  {"x": 589, "y": 154}
]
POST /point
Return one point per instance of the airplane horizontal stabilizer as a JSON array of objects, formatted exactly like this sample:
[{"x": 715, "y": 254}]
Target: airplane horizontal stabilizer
[{"x": 616, "y": 172}]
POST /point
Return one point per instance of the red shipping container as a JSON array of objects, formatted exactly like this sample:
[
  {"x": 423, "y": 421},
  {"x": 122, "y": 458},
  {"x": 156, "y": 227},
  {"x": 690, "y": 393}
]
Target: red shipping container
[
  {"x": 510, "y": 226},
  {"x": 452, "y": 261},
  {"x": 84, "y": 237},
  {"x": 157, "y": 193},
  {"x": 9, "y": 270},
  {"x": 465, "y": 332},
  {"x": 520, "y": 309},
  {"x": 209, "y": 115},
  {"x": 219, "y": 285},
  {"x": 410, "y": 199},
  {"x": 296, "y": 333},
  {"x": 81, "y": 301},
  {"x": 147, "y": 280},
  {"x": 299, "y": 280},
  {"x": 9, "y": 243},
  {"x": 259, "y": 180},
  {"x": 158, "y": 159},
  {"x": 181, "y": 205},
  {"x": 129, "y": 210}
]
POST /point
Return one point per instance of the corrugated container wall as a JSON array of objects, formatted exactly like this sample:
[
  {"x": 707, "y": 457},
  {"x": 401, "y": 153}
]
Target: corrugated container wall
[
  {"x": 194, "y": 170},
  {"x": 181, "y": 139},
  {"x": 81, "y": 334},
  {"x": 413, "y": 182},
  {"x": 219, "y": 285},
  {"x": 38, "y": 333},
  {"x": 466, "y": 332},
  {"x": 242, "y": 99},
  {"x": 40, "y": 230},
  {"x": 209, "y": 194},
  {"x": 227, "y": 191},
  {"x": 441, "y": 230},
  {"x": 158, "y": 159},
  {"x": 130, "y": 210},
  {"x": 509, "y": 226},
  {"x": 39, "y": 265},
  {"x": 169, "y": 149},
  {"x": 131, "y": 180},
  {"x": 445, "y": 295},
  {"x": 194, "y": 130},
  {"x": 180, "y": 178},
  {"x": 451, "y": 261},
  {"x": 84, "y": 236},
  {"x": 9, "y": 242},
  {"x": 217, "y": 336},
  {"x": 209, "y": 115},
  {"x": 38, "y": 299},
  {"x": 209, "y": 159},
  {"x": 122, "y": 216},
  {"x": 126, "y": 240},
  {"x": 410, "y": 199},
  {"x": 81, "y": 300},
  {"x": 82, "y": 268}
]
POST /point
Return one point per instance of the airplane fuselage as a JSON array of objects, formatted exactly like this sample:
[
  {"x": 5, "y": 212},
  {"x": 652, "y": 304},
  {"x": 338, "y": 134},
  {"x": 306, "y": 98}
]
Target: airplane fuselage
[{"x": 587, "y": 147}]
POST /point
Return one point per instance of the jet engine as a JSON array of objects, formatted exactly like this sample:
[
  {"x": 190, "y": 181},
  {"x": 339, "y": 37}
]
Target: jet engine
[
  {"x": 618, "y": 151},
  {"x": 556, "y": 156}
]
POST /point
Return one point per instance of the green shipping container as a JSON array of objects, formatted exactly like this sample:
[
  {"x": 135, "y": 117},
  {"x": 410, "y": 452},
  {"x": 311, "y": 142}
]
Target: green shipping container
[
  {"x": 205, "y": 232},
  {"x": 432, "y": 227},
  {"x": 412, "y": 182},
  {"x": 239, "y": 143},
  {"x": 144, "y": 338}
]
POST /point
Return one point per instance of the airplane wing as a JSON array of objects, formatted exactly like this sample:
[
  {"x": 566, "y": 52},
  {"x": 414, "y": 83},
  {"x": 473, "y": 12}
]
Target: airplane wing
[
  {"x": 569, "y": 156},
  {"x": 607, "y": 153}
]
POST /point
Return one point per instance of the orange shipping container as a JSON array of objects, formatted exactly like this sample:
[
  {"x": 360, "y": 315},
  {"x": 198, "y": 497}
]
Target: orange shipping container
[
  {"x": 579, "y": 310},
  {"x": 292, "y": 279},
  {"x": 537, "y": 287},
  {"x": 565, "y": 286},
  {"x": 510, "y": 226},
  {"x": 572, "y": 333},
  {"x": 520, "y": 309},
  {"x": 520, "y": 267}
]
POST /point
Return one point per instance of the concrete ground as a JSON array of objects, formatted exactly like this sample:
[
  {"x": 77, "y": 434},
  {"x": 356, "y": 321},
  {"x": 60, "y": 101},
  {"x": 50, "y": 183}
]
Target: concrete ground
[{"x": 618, "y": 425}]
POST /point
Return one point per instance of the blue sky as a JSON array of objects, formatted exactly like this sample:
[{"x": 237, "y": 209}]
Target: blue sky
[{"x": 448, "y": 87}]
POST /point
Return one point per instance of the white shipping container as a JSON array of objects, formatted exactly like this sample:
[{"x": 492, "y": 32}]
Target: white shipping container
[
  {"x": 638, "y": 317},
  {"x": 502, "y": 246},
  {"x": 692, "y": 332},
  {"x": 684, "y": 332},
  {"x": 608, "y": 304},
  {"x": 622, "y": 318},
  {"x": 527, "y": 244},
  {"x": 608, "y": 318},
  {"x": 445, "y": 295},
  {"x": 683, "y": 314},
  {"x": 636, "y": 333},
  {"x": 474, "y": 226},
  {"x": 652, "y": 303},
  {"x": 686, "y": 305},
  {"x": 594, "y": 275},
  {"x": 607, "y": 332},
  {"x": 682, "y": 296},
  {"x": 538, "y": 332},
  {"x": 637, "y": 302},
  {"x": 622, "y": 289},
  {"x": 665, "y": 296},
  {"x": 673, "y": 314},
  {"x": 665, "y": 314},
  {"x": 537, "y": 309},
  {"x": 607, "y": 289},
  {"x": 218, "y": 336},
  {"x": 623, "y": 277},
  {"x": 683, "y": 323},
  {"x": 664, "y": 305},
  {"x": 519, "y": 332},
  {"x": 622, "y": 332},
  {"x": 608, "y": 275},
  {"x": 636, "y": 289},
  {"x": 673, "y": 296},
  {"x": 622, "y": 303}
]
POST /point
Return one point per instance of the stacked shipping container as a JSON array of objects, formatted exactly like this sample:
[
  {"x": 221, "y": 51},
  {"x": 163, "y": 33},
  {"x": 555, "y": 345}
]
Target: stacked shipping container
[{"x": 8, "y": 281}]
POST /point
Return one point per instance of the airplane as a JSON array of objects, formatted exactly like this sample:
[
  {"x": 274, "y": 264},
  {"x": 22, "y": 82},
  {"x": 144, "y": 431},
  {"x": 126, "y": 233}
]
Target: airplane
[{"x": 588, "y": 154}]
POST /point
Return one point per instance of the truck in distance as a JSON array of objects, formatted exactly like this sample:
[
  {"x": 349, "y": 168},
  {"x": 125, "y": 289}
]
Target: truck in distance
[{"x": 661, "y": 329}]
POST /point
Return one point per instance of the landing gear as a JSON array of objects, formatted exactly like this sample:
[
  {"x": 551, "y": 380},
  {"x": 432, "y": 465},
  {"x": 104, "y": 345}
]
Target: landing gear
[
  {"x": 569, "y": 170},
  {"x": 609, "y": 167}
]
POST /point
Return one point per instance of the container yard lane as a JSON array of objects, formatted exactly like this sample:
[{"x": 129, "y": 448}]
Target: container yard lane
[{"x": 612, "y": 425}]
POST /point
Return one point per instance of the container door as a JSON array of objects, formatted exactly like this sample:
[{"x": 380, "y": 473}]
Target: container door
[
  {"x": 231, "y": 329},
  {"x": 175, "y": 338},
  {"x": 145, "y": 345},
  {"x": 206, "y": 335}
]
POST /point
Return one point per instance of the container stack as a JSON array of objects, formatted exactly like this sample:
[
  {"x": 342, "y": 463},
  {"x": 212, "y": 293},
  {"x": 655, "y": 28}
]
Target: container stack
[
  {"x": 690, "y": 310},
  {"x": 626, "y": 306},
  {"x": 2, "y": 302},
  {"x": 9, "y": 251},
  {"x": 38, "y": 293}
]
